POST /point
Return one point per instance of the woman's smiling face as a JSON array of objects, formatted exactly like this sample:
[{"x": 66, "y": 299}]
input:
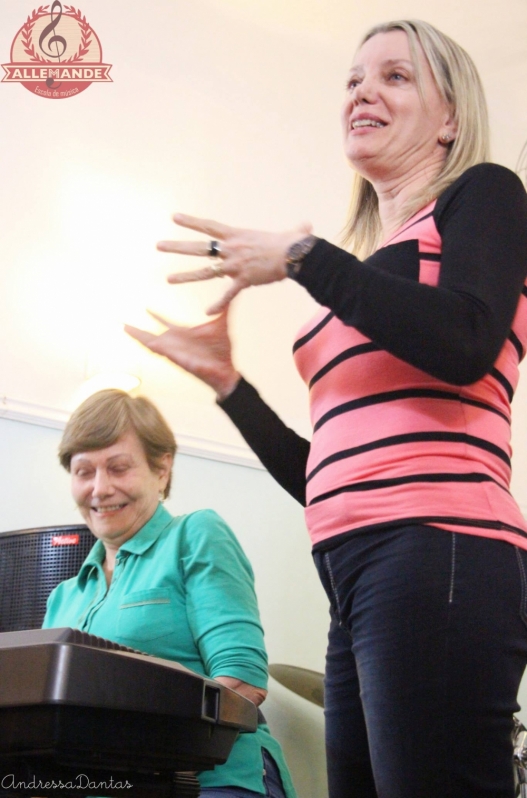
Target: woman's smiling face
[
  {"x": 115, "y": 489},
  {"x": 389, "y": 130}
]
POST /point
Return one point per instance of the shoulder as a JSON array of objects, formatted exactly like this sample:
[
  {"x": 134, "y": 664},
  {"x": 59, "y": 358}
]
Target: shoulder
[
  {"x": 205, "y": 527},
  {"x": 199, "y": 521},
  {"x": 65, "y": 588},
  {"x": 484, "y": 174},
  {"x": 196, "y": 535},
  {"x": 205, "y": 535},
  {"x": 62, "y": 595},
  {"x": 204, "y": 520},
  {"x": 484, "y": 184}
]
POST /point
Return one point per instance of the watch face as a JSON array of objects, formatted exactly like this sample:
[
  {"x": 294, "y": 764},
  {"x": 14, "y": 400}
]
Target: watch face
[{"x": 297, "y": 253}]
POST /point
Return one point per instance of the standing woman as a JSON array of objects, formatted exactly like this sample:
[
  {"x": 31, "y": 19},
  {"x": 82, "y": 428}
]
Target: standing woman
[{"x": 411, "y": 366}]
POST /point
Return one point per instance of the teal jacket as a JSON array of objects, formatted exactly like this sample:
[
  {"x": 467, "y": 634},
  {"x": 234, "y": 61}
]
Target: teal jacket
[{"x": 182, "y": 589}]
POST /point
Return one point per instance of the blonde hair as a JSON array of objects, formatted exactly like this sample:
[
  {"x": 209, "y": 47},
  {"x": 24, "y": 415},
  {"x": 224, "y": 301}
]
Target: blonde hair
[
  {"x": 460, "y": 87},
  {"x": 108, "y": 415}
]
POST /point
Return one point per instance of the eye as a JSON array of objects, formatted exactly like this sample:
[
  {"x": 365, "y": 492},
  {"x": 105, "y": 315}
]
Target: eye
[
  {"x": 352, "y": 83},
  {"x": 82, "y": 473},
  {"x": 119, "y": 469},
  {"x": 397, "y": 77}
]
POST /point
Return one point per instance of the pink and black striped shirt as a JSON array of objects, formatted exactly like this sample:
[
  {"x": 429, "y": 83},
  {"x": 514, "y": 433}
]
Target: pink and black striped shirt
[{"x": 411, "y": 366}]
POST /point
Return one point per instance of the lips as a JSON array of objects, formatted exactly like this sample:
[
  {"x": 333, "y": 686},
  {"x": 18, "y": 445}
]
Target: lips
[
  {"x": 109, "y": 508},
  {"x": 360, "y": 122}
]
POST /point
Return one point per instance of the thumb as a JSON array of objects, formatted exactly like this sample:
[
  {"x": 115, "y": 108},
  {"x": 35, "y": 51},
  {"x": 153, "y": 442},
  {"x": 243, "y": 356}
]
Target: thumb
[
  {"x": 221, "y": 321},
  {"x": 306, "y": 228},
  {"x": 222, "y": 305}
]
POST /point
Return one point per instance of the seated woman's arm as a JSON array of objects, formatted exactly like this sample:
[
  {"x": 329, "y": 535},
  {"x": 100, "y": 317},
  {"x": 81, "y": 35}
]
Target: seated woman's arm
[
  {"x": 255, "y": 694},
  {"x": 221, "y": 606}
]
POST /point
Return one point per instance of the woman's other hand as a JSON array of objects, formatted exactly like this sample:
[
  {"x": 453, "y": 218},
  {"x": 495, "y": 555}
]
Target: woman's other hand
[
  {"x": 255, "y": 694},
  {"x": 204, "y": 351},
  {"x": 249, "y": 257}
]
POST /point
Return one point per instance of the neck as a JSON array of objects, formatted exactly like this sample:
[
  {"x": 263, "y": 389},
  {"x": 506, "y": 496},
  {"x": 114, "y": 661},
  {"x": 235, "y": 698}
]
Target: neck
[
  {"x": 394, "y": 192},
  {"x": 108, "y": 565}
]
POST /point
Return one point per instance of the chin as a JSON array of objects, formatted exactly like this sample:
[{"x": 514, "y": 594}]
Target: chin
[
  {"x": 359, "y": 150},
  {"x": 364, "y": 165}
]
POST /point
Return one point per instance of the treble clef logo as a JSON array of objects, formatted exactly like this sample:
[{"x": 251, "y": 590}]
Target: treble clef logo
[{"x": 58, "y": 41}]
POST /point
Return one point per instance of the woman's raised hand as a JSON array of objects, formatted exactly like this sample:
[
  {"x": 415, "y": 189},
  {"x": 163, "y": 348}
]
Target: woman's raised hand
[
  {"x": 249, "y": 257},
  {"x": 204, "y": 351}
]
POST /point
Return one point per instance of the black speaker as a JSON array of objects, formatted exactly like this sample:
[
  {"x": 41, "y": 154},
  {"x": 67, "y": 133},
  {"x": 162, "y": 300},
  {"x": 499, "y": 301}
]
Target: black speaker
[{"x": 32, "y": 563}]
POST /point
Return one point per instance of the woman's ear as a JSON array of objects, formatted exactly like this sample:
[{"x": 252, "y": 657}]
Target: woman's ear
[
  {"x": 164, "y": 469},
  {"x": 448, "y": 131}
]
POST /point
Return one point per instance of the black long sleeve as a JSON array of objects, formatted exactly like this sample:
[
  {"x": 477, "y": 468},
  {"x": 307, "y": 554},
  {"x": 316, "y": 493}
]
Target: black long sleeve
[
  {"x": 279, "y": 448},
  {"x": 456, "y": 330}
]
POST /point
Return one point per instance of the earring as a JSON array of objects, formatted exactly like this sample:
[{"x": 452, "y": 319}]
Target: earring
[
  {"x": 161, "y": 496},
  {"x": 445, "y": 138}
]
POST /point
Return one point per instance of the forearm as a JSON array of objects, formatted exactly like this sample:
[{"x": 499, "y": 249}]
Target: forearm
[
  {"x": 281, "y": 450},
  {"x": 255, "y": 694}
]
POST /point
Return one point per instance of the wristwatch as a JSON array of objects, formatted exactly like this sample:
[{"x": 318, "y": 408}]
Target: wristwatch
[{"x": 296, "y": 254}]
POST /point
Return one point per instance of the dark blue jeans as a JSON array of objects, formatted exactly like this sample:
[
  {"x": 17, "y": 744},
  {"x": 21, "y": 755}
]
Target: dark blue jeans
[{"x": 427, "y": 647}]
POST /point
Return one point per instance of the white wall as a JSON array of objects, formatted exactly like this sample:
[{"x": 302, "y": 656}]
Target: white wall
[{"x": 34, "y": 491}]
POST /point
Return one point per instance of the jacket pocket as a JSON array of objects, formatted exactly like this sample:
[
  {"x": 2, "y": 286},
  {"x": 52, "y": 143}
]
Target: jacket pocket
[{"x": 146, "y": 615}]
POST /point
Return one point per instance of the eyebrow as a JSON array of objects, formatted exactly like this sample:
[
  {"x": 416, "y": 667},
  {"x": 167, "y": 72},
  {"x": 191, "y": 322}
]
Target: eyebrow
[
  {"x": 77, "y": 458},
  {"x": 389, "y": 62}
]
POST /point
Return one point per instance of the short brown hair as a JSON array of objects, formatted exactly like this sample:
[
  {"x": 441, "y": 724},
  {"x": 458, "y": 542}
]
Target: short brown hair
[{"x": 107, "y": 415}]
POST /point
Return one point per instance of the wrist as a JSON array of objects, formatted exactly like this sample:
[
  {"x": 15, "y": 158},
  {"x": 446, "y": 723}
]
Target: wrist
[
  {"x": 296, "y": 254},
  {"x": 226, "y": 386}
]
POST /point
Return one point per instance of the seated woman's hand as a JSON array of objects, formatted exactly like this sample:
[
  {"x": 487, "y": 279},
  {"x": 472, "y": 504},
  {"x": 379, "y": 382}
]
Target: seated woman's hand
[
  {"x": 255, "y": 694},
  {"x": 249, "y": 257},
  {"x": 204, "y": 351}
]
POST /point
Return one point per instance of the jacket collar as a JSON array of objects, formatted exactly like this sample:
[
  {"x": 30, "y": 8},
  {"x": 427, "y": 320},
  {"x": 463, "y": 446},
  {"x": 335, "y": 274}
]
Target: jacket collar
[{"x": 138, "y": 544}]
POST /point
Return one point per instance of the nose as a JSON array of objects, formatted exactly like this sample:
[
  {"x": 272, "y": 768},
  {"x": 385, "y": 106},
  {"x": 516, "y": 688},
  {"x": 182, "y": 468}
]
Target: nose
[
  {"x": 102, "y": 485},
  {"x": 365, "y": 91}
]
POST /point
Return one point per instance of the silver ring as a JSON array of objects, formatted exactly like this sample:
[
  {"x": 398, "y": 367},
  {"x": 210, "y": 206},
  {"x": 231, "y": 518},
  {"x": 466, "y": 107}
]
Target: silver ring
[
  {"x": 217, "y": 269},
  {"x": 214, "y": 249}
]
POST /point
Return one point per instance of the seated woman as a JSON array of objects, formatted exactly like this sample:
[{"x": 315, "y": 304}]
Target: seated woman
[{"x": 178, "y": 588}]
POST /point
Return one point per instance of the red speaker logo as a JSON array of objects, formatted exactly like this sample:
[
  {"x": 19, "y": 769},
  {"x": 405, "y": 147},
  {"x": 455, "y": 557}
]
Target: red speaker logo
[{"x": 65, "y": 540}]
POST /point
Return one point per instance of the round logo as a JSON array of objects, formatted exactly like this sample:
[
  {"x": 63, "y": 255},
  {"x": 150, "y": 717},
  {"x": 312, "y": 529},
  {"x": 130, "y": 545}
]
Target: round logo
[{"x": 56, "y": 54}]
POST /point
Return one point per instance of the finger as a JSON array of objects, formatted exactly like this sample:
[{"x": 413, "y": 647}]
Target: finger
[
  {"x": 144, "y": 337},
  {"x": 161, "y": 319},
  {"x": 175, "y": 327},
  {"x": 191, "y": 277},
  {"x": 197, "y": 248},
  {"x": 222, "y": 304},
  {"x": 208, "y": 226},
  {"x": 222, "y": 320}
]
